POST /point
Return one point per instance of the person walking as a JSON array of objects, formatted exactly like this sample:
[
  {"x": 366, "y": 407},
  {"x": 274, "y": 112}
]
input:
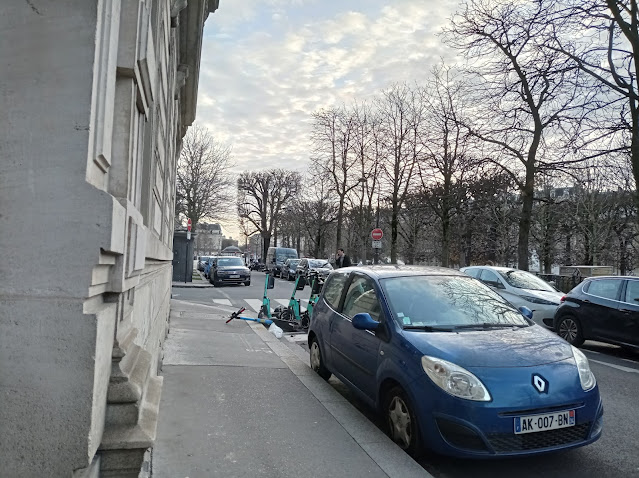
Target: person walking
[{"x": 342, "y": 259}]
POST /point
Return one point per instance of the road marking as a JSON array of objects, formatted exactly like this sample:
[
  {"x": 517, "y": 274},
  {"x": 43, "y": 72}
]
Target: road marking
[
  {"x": 254, "y": 304},
  {"x": 176, "y": 295},
  {"x": 223, "y": 302},
  {"x": 618, "y": 367},
  {"x": 628, "y": 360},
  {"x": 284, "y": 302}
]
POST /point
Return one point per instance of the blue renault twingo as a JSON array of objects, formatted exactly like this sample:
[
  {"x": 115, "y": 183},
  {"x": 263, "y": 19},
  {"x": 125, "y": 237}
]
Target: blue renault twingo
[{"x": 452, "y": 366}]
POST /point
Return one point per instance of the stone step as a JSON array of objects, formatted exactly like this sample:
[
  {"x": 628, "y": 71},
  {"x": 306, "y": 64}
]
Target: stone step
[
  {"x": 132, "y": 389},
  {"x": 121, "y": 369},
  {"x": 123, "y": 447}
]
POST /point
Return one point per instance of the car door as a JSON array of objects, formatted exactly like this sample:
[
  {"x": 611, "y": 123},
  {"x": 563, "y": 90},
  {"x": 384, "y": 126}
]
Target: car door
[
  {"x": 627, "y": 330},
  {"x": 355, "y": 352},
  {"x": 600, "y": 307}
]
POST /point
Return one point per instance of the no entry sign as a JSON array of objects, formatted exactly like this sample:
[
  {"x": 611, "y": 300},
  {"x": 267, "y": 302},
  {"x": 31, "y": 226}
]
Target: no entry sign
[
  {"x": 377, "y": 234},
  {"x": 188, "y": 225}
]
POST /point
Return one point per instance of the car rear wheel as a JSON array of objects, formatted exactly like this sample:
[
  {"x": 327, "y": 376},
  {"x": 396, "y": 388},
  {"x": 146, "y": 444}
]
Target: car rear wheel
[
  {"x": 570, "y": 330},
  {"x": 317, "y": 361},
  {"x": 401, "y": 421}
]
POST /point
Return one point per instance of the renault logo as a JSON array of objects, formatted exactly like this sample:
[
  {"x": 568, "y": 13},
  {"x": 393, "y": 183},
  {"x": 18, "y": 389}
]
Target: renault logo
[{"x": 540, "y": 383}]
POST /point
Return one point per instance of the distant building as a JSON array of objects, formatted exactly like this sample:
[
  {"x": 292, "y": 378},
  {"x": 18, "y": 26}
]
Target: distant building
[{"x": 209, "y": 238}]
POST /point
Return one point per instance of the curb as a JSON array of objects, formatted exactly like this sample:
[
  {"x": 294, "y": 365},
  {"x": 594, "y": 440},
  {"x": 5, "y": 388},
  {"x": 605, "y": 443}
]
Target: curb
[
  {"x": 382, "y": 450},
  {"x": 185, "y": 285}
]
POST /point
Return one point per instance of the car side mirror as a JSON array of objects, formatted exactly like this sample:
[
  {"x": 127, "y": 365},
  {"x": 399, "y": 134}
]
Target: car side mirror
[
  {"x": 271, "y": 282},
  {"x": 526, "y": 312},
  {"x": 363, "y": 321}
]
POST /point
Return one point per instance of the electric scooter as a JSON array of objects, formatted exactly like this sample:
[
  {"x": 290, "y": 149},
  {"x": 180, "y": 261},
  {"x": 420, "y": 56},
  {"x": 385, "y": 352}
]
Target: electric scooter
[{"x": 284, "y": 323}]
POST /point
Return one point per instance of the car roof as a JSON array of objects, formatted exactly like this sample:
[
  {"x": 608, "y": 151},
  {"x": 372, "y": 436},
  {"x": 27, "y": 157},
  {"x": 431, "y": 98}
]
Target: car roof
[
  {"x": 385, "y": 271},
  {"x": 495, "y": 268}
]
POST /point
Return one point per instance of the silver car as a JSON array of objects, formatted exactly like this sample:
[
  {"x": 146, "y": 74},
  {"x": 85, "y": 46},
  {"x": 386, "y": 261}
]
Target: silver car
[{"x": 521, "y": 288}]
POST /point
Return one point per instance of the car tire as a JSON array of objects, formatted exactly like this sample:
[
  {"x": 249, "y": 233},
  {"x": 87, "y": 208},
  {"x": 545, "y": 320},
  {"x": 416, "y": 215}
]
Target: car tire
[
  {"x": 317, "y": 360},
  {"x": 215, "y": 282},
  {"x": 401, "y": 421},
  {"x": 247, "y": 283},
  {"x": 569, "y": 328}
]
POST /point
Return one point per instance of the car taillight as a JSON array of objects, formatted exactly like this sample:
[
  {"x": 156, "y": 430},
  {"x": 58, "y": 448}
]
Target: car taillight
[{"x": 562, "y": 299}]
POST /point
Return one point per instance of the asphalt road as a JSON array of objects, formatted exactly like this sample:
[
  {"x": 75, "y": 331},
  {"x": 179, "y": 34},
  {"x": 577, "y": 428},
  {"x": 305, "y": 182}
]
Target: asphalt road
[{"x": 616, "y": 454}]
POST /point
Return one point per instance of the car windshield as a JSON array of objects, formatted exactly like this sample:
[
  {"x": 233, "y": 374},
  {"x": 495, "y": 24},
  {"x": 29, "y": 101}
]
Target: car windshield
[
  {"x": 525, "y": 280},
  {"x": 447, "y": 303},
  {"x": 286, "y": 254},
  {"x": 293, "y": 263},
  {"x": 230, "y": 262},
  {"x": 318, "y": 263}
]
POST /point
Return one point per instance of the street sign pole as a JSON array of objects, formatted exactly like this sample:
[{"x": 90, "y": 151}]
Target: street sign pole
[{"x": 187, "y": 255}]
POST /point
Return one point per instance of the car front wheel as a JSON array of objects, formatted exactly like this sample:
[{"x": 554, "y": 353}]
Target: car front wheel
[
  {"x": 401, "y": 420},
  {"x": 570, "y": 330},
  {"x": 317, "y": 361}
]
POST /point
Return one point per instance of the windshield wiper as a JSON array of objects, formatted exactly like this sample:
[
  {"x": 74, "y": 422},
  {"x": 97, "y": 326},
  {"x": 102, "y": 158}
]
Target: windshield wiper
[
  {"x": 487, "y": 325},
  {"x": 428, "y": 328}
]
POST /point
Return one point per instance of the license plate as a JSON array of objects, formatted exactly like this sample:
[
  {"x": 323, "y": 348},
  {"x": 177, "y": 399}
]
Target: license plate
[
  {"x": 236, "y": 276},
  {"x": 547, "y": 421}
]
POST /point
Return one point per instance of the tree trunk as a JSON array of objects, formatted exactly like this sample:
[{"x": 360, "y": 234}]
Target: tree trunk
[
  {"x": 265, "y": 245},
  {"x": 340, "y": 219},
  {"x": 527, "y": 197},
  {"x": 394, "y": 233},
  {"x": 445, "y": 238}
]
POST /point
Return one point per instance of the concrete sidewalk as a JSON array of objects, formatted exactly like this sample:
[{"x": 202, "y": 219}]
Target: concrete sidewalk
[{"x": 237, "y": 402}]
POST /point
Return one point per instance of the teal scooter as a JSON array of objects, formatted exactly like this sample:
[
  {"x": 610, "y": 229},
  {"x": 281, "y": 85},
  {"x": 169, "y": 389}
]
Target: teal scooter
[
  {"x": 293, "y": 312},
  {"x": 265, "y": 310}
]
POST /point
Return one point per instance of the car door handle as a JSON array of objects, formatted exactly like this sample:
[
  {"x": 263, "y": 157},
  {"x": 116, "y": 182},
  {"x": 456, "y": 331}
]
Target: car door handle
[
  {"x": 625, "y": 311},
  {"x": 586, "y": 301}
]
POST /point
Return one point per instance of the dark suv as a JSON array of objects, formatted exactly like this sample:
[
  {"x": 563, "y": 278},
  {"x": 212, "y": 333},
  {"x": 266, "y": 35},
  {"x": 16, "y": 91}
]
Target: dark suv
[{"x": 601, "y": 308}]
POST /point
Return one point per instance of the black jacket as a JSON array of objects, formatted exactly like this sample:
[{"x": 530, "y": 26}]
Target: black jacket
[{"x": 343, "y": 261}]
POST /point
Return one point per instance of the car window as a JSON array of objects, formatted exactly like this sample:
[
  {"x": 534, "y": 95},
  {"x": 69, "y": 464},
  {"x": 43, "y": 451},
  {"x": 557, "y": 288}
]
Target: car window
[
  {"x": 605, "y": 288},
  {"x": 632, "y": 292},
  {"x": 361, "y": 297},
  {"x": 489, "y": 277},
  {"x": 473, "y": 272},
  {"x": 231, "y": 261},
  {"x": 333, "y": 289},
  {"x": 525, "y": 280}
]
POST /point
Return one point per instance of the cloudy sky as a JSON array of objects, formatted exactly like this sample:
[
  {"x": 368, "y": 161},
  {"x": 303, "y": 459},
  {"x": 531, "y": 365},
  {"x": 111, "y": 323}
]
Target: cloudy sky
[{"x": 267, "y": 65}]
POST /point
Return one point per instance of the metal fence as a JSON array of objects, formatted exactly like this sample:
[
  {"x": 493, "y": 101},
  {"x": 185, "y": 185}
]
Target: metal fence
[{"x": 563, "y": 283}]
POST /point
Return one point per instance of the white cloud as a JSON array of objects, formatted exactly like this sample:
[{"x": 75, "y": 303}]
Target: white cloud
[{"x": 268, "y": 65}]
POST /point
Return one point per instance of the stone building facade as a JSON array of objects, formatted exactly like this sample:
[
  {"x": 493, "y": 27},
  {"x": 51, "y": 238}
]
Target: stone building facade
[
  {"x": 95, "y": 96},
  {"x": 208, "y": 241}
]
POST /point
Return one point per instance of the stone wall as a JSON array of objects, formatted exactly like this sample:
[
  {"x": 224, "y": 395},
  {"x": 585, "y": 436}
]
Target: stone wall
[{"x": 95, "y": 97}]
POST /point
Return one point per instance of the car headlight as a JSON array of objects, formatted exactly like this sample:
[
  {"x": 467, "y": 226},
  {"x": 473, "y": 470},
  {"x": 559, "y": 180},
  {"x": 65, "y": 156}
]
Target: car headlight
[
  {"x": 586, "y": 377},
  {"x": 537, "y": 300},
  {"x": 454, "y": 379}
]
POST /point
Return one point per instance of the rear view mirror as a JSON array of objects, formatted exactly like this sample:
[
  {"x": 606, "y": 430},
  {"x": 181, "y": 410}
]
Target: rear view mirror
[
  {"x": 526, "y": 312},
  {"x": 364, "y": 321},
  {"x": 271, "y": 282}
]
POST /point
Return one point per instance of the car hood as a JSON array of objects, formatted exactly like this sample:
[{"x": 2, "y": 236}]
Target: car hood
[
  {"x": 520, "y": 347},
  {"x": 233, "y": 268},
  {"x": 542, "y": 294},
  {"x": 321, "y": 269}
]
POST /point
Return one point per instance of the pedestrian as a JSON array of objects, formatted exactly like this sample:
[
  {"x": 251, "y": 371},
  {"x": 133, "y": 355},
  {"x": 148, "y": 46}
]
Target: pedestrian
[{"x": 342, "y": 259}]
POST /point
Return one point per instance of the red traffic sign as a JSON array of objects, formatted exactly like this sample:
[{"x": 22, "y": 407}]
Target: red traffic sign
[
  {"x": 377, "y": 234},
  {"x": 188, "y": 225}
]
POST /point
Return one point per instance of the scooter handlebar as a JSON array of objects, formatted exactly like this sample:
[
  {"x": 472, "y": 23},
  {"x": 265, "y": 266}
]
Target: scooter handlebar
[{"x": 236, "y": 314}]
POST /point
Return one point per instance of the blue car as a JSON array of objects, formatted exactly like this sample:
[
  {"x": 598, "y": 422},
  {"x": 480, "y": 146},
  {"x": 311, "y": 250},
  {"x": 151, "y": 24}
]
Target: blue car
[
  {"x": 207, "y": 266},
  {"x": 452, "y": 366}
]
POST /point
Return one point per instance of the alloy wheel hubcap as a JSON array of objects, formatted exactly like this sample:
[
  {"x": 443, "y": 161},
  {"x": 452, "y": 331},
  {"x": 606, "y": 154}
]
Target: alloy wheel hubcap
[
  {"x": 400, "y": 422},
  {"x": 568, "y": 330},
  {"x": 315, "y": 356}
]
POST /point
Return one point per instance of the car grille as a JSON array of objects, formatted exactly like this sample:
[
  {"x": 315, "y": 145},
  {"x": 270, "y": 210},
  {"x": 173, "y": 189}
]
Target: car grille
[{"x": 509, "y": 442}]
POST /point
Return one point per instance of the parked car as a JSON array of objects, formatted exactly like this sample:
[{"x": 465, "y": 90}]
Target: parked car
[
  {"x": 452, "y": 366},
  {"x": 229, "y": 270},
  {"x": 201, "y": 262},
  {"x": 601, "y": 308},
  {"x": 276, "y": 257},
  {"x": 308, "y": 264},
  {"x": 520, "y": 288},
  {"x": 289, "y": 268}
]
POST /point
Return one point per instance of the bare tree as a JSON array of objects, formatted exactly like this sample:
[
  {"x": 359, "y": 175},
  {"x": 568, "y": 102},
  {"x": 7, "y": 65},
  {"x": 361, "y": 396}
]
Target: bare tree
[
  {"x": 204, "y": 182},
  {"x": 332, "y": 137},
  {"x": 528, "y": 98},
  {"x": 261, "y": 196},
  {"x": 401, "y": 114},
  {"x": 448, "y": 159},
  {"x": 316, "y": 211},
  {"x": 606, "y": 47}
]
